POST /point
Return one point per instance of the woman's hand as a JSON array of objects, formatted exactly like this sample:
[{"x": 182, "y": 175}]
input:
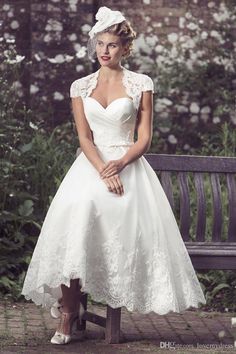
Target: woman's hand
[
  {"x": 114, "y": 184},
  {"x": 112, "y": 168}
]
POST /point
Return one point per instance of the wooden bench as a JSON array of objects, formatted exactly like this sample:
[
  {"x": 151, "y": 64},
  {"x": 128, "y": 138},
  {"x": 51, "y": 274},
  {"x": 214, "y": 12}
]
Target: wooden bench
[{"x": 213, "y": 250}]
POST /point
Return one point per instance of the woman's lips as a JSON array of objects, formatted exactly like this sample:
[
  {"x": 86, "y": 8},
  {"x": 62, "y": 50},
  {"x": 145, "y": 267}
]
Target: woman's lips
[{"x": 105, "y": 58}]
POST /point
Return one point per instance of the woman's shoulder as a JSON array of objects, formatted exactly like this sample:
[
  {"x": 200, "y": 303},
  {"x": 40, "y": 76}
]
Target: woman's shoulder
[
  {"x": 143, "y": 80},
  {"x": 79, "y": 86}
]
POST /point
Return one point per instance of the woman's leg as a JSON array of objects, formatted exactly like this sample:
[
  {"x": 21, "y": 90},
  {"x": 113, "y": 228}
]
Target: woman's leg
[
  {"x": 71, "y": 296},
  {"x": 70, "y": 300}
]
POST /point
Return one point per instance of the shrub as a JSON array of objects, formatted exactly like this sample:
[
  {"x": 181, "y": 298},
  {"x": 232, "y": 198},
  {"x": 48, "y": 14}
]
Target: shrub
[{"x": 34, "y": 162}]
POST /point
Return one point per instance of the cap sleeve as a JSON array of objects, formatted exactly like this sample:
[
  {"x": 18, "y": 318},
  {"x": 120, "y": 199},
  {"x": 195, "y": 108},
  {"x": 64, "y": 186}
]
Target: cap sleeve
[
  {"x": 75, "y": 90},
  {"x": 148, "y": 84}
]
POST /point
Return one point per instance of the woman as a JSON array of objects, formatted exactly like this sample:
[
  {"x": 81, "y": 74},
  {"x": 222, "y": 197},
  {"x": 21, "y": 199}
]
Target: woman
[{"x": 110, "y": 230}]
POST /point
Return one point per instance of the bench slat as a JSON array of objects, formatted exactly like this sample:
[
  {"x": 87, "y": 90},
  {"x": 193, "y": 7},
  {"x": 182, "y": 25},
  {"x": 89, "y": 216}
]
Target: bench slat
[
  {"x": 216, "y": 245},
  {"x": 184, "y": 205},
  {"x": 207, "y": 262},
  {"x": 210, "y": 251},
  {"x": 231, "y": 188},
  {"x": 217, "y": 207},
  {"x": 193, "y": 163},
  {"x": 201, "y": 207},
  {"x": 167, "y": 186}
]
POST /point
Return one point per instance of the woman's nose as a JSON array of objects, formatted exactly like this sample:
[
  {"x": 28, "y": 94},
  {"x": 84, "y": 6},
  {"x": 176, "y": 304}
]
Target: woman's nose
[{"x": 106, "y": 49}]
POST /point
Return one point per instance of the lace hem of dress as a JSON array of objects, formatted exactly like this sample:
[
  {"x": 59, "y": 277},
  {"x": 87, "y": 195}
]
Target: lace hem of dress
[
  {"x": 99, "y": 295},
  {"x": 114, "y": 276}
]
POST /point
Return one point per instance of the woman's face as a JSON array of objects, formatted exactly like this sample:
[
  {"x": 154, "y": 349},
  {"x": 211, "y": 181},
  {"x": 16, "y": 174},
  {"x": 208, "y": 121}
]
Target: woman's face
[{"x": 109, "y": 49}]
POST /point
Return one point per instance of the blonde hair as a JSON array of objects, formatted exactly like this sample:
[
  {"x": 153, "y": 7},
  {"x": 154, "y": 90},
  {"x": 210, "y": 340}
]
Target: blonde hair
[{"x": 126, "y": 33}]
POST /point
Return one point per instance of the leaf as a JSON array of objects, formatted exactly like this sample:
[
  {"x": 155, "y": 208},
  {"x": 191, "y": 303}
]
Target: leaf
[
  {"x": 219, "y": 287},
  {"x": 204, "y": 277},
  {"x": 6, "y": 282},
  {"x": 8, "y": 216},
  {"x": 36, "y": 224},
  {"x": 26, "y": 147},
  {"x": 26, "y": 208},
  {"x": 23, "y": 195}
]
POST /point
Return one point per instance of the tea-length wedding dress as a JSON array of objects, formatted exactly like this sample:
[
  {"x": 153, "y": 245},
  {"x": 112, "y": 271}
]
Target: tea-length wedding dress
[{"x": 126, "y": 250}]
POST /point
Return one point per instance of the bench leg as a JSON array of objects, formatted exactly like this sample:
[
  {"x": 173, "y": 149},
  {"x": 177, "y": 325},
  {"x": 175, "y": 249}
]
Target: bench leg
[
  {"x": 113, "y": 325},
  {"x": 82, "y": 326}
]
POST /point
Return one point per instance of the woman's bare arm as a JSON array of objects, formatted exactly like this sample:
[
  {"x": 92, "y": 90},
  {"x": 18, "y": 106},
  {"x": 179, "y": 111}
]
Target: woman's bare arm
[
  {"x": 85, "y": 135},
  {"x": 144, "y": 129}
]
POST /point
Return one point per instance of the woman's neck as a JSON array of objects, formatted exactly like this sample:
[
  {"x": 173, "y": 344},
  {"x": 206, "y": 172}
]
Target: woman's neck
[{"x": 110, "y": 73}]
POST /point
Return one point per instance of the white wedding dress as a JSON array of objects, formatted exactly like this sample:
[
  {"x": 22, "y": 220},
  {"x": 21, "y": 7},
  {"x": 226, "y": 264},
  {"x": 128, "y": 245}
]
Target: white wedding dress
[{"x": 126, "y": 250}]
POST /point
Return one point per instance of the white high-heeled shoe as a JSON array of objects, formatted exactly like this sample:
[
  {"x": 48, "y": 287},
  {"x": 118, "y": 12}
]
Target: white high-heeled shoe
[{"x": 61, "y": 338}]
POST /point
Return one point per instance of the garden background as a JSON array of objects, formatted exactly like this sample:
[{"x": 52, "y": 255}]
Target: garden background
[{"x": 187, "y": 47}]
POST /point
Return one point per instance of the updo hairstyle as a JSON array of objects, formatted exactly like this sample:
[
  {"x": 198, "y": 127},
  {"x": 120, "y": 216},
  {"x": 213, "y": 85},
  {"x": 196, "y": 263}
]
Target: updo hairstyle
[{"x": 126, "y": 34}]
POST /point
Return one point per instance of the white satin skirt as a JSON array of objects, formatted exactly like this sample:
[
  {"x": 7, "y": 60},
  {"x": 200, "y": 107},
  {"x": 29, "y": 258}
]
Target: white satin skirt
[{"x": 126, "y": 250}]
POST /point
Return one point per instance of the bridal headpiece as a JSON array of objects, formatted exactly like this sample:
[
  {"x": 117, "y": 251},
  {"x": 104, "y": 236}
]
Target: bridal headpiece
[{"x": 105, "y": 18}]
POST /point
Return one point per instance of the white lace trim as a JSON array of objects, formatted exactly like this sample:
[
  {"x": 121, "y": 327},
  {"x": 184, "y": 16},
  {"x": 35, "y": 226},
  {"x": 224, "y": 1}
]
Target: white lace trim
[
  {"x": 134, "y": 83},
  {"x": 112, "y": 275}
]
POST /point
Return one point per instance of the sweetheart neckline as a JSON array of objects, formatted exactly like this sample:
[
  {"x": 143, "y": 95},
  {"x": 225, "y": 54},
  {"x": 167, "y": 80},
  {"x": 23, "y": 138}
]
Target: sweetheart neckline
[{"x": 105, "y": 108}]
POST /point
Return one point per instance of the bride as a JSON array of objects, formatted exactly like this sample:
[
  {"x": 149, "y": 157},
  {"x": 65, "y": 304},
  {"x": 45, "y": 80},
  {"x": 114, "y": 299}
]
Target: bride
[{"x": 110, "y": 230}]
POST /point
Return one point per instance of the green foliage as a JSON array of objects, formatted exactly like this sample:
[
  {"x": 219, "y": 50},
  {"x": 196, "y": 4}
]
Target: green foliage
[
  {"x": 194, "y": 75},
  {"x": 31, "y": 172},
  {"x": 220, "y": 289},
  {"x": 33, "y": 163},
  {"x": 222, "y": 143}
]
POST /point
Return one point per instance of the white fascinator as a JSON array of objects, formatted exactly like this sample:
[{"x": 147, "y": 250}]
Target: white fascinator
[{"x": 105, "y": 18}]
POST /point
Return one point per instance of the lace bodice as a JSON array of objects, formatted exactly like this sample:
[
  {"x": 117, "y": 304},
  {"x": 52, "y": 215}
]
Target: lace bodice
[
  {"x": 134, "y": 83},
  {"x": 115, "y": 124}
]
